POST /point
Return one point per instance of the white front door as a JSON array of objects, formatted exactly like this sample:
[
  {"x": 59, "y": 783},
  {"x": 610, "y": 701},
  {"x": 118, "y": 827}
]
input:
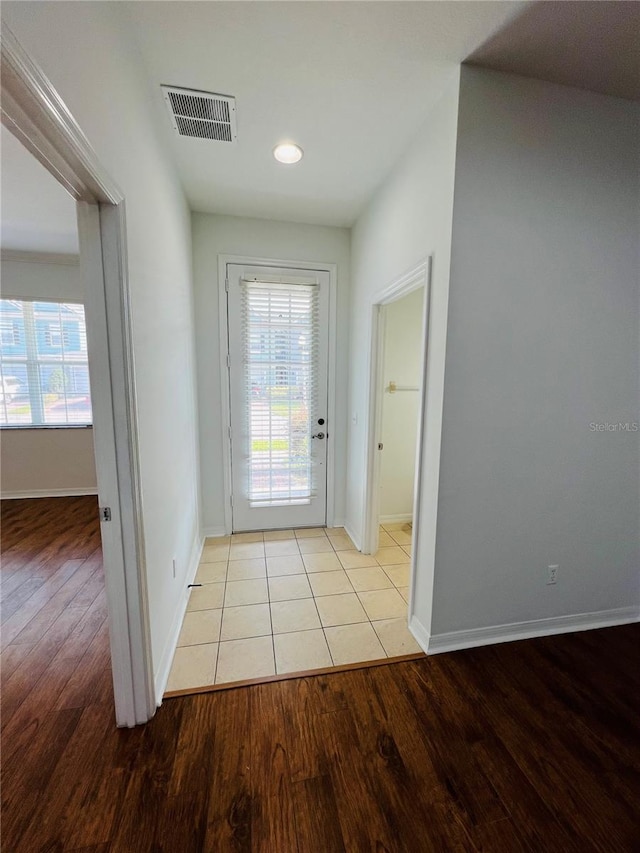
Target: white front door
[{"x": 278, "y": 323}]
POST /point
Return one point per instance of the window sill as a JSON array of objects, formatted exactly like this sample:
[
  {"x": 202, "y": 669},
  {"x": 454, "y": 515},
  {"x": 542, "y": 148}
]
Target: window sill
[{"x": 44, "y": 426}]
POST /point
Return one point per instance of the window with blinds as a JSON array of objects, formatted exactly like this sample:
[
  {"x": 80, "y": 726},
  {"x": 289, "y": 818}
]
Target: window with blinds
[
  {"x": 44, "y": 371},
  {"x": 280, "y": 330}
]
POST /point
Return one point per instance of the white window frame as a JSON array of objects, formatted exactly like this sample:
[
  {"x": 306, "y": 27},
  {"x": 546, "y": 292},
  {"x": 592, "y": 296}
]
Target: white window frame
[{"x": 278, "y": 263}]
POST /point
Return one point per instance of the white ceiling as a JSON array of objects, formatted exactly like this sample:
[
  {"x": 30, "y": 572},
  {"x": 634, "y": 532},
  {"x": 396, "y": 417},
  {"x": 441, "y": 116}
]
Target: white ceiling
[
  {"x": 351, "y": 82},
  {"x": 38, "y": 215}
]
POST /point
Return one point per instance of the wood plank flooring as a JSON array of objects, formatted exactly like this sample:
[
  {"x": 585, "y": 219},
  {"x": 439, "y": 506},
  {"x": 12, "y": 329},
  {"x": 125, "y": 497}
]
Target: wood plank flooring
[{"x": 530, "y": 746}]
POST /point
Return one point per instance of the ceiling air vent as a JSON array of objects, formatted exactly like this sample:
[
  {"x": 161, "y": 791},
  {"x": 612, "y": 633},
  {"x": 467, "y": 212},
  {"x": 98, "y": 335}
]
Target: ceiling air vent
[{"x": 202, "y": 115}]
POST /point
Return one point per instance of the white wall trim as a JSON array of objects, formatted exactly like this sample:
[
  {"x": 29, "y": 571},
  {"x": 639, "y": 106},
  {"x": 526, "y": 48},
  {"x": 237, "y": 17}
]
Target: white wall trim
[
  {"x": 332, "y": 269},
  {"x": 164, "y": 664},
  {"x": 24, "y": 257},
  {"x": 318, "y": 266},
  {"x": 49, "y": 493},
  {"x": 419, "y": 632},
  {"x": 403, "y": 285},
  {"x": 469, "y": 639},
  {"x": 122, "y": 443},
  {"x": 225, "y": 399}
]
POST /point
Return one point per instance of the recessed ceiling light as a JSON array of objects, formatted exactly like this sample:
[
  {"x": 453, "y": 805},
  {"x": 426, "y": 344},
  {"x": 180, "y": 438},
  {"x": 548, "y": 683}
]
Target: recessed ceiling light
[{"x": 287, "y": 152}]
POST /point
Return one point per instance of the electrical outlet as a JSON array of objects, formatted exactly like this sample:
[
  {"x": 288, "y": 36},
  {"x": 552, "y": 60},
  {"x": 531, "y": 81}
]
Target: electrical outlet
[
  {"x": 552, "y": 576},
  {"x": 174, "y": 567}
]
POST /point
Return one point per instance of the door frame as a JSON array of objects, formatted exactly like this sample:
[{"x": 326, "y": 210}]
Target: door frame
[
  {"x": 419, "y": 276},
  {"x": 223, "y": 331},
  {"x": 33, "y": 111}
]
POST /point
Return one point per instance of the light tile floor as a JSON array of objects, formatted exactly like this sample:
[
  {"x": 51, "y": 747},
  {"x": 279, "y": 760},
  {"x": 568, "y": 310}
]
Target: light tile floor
[{"x": 290, "y": 601}]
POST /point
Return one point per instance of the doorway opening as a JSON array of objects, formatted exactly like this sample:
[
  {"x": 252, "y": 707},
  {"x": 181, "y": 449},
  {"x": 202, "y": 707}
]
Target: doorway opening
[
  {"x": 55, "y": 643},
  {"x": 396, "y": 422},
  {"x": 35, "y": 114},
  {"x": 401, "y": 338}
]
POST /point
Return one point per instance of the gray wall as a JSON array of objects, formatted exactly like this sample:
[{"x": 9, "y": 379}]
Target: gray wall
[{"x": 542, "y": 342}]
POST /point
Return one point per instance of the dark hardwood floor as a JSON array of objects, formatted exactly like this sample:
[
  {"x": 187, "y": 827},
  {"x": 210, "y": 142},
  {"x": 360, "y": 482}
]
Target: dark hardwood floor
[{"x": 530, "y": 746}]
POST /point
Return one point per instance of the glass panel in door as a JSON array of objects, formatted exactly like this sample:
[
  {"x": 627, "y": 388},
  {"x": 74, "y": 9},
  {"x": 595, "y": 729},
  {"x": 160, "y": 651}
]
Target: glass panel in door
[{"x": 278, "y": 335}]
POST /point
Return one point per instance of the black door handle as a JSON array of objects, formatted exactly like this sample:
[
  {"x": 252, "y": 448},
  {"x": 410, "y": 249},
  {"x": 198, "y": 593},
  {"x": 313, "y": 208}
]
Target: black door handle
[{"x": 318, "y": 435}]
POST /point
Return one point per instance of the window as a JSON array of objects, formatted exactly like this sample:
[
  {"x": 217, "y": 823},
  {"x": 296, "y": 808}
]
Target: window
[
  {"x": 53, "y": 336},
  {"x": 280, "y": 328},
  {"x": 44, "y": 370},
  {"x": 9, "y": 334}
]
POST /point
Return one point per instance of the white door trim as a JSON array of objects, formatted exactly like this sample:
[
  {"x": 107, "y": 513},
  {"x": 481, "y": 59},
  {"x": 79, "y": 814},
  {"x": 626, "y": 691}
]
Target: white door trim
[
  {"x": 419, "y": 276},
  {"x": 247, "y": 260},
  {"x": 34, "y": 112}
]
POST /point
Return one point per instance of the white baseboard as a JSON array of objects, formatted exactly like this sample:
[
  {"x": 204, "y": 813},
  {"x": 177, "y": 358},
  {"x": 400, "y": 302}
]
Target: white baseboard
[
  {"x": 419, "y": 632},
  {"x": 213, "y": 532},
  {"x": 395, "y": 519},
  {"x": 337, "y": 522},
  {"x": 473, "y": 637},
  {"x": 49, "y": 493},
  {"x": 162, "y": 673}
]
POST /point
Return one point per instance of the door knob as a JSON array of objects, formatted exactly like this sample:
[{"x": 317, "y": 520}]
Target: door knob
[{"x": 318, "y": 435}]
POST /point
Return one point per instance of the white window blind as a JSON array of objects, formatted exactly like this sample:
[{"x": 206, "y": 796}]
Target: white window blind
[
  {"x": 44, "y": 371},
  {"x": 280, "y": 330}
]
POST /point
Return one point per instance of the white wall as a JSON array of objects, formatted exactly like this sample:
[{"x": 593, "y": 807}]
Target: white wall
[
  {"x": 542, "y": 342},
  {"x": 408, "y": 219},
  {"x": 85, "y": 50},
  {"x": 45, "y": 461},
  {"x": 400, "y": 410},
  {"x": 31, "y": 276},
  {"x": 214, "y": 235}
]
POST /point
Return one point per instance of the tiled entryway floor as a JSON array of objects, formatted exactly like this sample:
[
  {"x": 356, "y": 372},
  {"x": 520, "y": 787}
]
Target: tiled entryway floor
[{"x": 292, "y": 601}]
